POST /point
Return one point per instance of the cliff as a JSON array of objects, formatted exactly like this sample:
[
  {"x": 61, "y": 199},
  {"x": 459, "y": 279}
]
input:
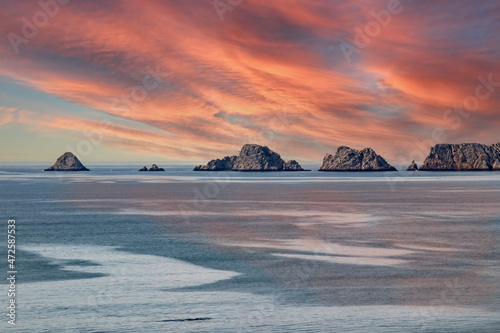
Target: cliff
[
  {"x": 252, "y": 157},
  {"x": 463, "y": 157},
  {"x": 348, "y": 159},
  {"x": 67, "y": 162}
]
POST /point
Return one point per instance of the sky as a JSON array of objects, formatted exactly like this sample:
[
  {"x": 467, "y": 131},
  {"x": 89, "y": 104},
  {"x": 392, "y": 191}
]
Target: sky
[{"x": 188, "y": 81}]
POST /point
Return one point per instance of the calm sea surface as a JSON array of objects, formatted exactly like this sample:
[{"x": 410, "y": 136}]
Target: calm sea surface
[{"x": 115, "y": 250}]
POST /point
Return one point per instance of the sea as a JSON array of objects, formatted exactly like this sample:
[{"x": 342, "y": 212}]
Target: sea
[{"x": 117, "y": 250}]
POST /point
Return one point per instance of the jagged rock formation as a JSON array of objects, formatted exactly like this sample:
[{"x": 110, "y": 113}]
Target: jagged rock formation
[
  {"x": 412, "y": 167},
  {"x": 143, "y": 169},
  {"x": 226, "y": 163},
  {"x": 347, "y": 159},
  {"x": 154, "y": 167},
  {"x": 255, "y": 157},
  {"x": 252, "y": 157},
  {"x": 292, "y": 165},
  {"x": 67, "y": 162},
  {"x": 462, "y": 157}
]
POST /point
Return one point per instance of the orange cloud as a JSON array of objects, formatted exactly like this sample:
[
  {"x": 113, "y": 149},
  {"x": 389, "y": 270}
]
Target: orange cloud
[{"x": 272, "y": 73}]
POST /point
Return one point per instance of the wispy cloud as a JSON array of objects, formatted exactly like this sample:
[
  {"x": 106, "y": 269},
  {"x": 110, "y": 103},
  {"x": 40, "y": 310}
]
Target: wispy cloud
[{"x": 226, "y": 79}]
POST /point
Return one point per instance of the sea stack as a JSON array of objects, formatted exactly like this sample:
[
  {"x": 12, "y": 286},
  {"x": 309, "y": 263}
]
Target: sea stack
[
  {"x": 67, "y": 162},
  {"x": 412, "y": 167},
  {"x": 463, "y": 157},
  {"x": 252, "y": 157},
  {"x": 143, "y": 169},
  {"x": 348, "y": 159}
]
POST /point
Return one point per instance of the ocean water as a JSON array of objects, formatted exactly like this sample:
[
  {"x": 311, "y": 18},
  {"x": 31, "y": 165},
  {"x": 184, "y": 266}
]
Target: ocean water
[{"x": 115, "y": 250}]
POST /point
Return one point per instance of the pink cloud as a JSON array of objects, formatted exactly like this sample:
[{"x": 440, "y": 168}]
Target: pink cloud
[{"x": 224, "y": 82}]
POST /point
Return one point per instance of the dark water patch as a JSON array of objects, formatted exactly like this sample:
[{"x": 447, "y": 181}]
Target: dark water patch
[
  {"x": 77, "y": 262},
  {"x": 36, "y": 268},
  {"x": 184, "y": 319}
]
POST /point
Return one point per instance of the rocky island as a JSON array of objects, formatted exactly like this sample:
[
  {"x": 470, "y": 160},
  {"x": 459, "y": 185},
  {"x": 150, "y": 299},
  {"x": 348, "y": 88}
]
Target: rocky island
[
  {"x": 154, "y": 167},
  {"x": 463, "y": 157},
  {"x": 252, "y": 157},
  {"x": 348, "y": 159},
  {"x": 412, "y": 167},
  {"x": 67, "y": 162}
]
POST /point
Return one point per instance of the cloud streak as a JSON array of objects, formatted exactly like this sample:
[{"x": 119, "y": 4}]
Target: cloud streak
[{"x": 272, "y": 72}]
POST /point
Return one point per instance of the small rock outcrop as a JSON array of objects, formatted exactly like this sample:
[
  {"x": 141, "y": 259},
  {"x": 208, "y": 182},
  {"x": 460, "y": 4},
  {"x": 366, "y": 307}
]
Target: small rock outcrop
[
  {"x": 463, "y": 157},
  {"x": 154, "y": 167},
  {"x": 252, "y": 157},
  {"x": 348, "y": 159},
  {"x": 292, "y": 165},
  {"x": 143, "y": 169},
  {"x": 412, "y": 167},
  {"x": 67, "y": 162}
]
